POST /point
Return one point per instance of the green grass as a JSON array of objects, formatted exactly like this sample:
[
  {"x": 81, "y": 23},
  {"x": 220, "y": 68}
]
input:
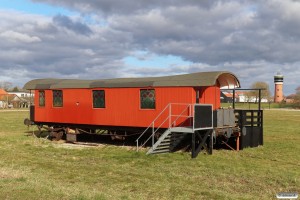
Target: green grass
[{"x": 35, "y": 168}]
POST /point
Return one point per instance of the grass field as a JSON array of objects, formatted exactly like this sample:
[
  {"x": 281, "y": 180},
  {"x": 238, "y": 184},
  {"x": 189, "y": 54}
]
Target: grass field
[
  {"x": 35, "y": 168},
  {"x": 250, "y": 105}
]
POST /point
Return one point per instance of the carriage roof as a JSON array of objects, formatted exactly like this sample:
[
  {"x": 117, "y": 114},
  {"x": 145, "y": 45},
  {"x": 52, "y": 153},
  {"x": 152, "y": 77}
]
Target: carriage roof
[{"x": 223, "y": 78}]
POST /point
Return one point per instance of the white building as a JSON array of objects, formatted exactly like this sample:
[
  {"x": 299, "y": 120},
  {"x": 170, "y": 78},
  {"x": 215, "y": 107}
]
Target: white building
[
  {"x": 242, "y": 97},
  {"x": 22, "y": 94}
]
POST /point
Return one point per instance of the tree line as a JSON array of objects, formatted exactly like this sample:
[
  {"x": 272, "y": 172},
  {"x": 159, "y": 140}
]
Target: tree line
[{"x": 8, "y": 86}]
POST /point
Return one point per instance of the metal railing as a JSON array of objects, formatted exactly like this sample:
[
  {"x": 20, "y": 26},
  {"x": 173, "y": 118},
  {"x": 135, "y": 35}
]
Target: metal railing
[{"x": 172, "y": 123}]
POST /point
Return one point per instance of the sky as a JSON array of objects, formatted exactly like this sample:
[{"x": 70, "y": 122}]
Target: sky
[{"x": 100, "y": 39}]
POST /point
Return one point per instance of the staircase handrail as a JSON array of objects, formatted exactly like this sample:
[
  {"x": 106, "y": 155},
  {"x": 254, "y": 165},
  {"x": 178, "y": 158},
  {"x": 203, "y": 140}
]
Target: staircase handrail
[
  {"x": 168, "y": 117},
  {"x": 170, "y": 123},
  {"x": 154, "y": 131},
  {"x": 180, "y": 115},
  {"x": 151, "y": 125}
]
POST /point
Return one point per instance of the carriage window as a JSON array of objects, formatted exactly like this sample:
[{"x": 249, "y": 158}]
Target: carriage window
[
  {"x": 57, "y": 98},
  {"x": 42, "y": 98},
  {"x": 98, "y": 99},
  {"x": 147, "y": 99}
]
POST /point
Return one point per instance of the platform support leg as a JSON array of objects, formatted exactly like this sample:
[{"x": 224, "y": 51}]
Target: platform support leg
[
  {"x": 201, "y": 141},
  {"x": 211, "y": 143},
  {"x": 193, "y": 145}
]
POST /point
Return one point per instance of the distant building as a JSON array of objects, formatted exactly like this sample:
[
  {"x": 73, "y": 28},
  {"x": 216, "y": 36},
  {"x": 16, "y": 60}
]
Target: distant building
[
  {"x": 227, "y": 97},
  {"x": 245, "y": 97},
  {"x": 290, "y": 98},
  {"x": 3, "y": 98},
  {"x": 240, "y": 96},
  {"x": 14, "y": 99},
  {"x": 19, "y": 102},
  {"x": 22, "y": 94},
  {"x": 3, "y": 92},
  {"x": 278, "y": 93}
]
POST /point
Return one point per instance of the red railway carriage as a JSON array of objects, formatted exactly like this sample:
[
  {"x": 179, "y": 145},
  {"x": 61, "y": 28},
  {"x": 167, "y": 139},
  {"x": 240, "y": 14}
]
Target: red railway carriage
[
  {"x": 125, "y": 102},
  {"x": 167, "y": 109}
]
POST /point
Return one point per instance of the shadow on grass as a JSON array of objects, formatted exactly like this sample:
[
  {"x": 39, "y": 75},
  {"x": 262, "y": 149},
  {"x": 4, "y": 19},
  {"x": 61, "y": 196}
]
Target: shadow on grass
[{"x": 130, "y": 142}]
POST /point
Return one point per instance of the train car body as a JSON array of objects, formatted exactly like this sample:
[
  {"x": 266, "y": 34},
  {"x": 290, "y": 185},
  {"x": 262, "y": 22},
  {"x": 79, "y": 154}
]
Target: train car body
[
  {"x": 122, "y": 100},
  {"x": 187, "y": 104}
]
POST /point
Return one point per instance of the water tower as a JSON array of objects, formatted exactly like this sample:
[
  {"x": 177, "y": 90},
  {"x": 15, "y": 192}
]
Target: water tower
[{"x": 278, "y": 94}]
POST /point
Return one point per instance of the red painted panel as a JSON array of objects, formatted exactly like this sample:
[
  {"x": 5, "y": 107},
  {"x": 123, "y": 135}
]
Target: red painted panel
[
  {"x": 122, "y": 106},
  {"x": 210, "y": 95}
]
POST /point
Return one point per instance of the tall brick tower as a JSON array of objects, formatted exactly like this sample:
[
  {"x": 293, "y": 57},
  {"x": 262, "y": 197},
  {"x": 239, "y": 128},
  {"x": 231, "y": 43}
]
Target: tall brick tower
[{"x": 278, "y": 94}]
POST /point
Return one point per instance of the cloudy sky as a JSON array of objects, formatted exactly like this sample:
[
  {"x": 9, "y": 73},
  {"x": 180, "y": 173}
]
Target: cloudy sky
[{"x": 98, "y": 39}]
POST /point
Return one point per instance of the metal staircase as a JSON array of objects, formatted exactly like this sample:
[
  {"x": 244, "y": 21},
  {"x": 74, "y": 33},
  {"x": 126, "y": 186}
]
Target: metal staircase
[
  {"x": 174, "y": 123},
  {"x": 174, "y": 133},
  {"x": 163, "y": 144},
  {"x": 167, "y": 142}
]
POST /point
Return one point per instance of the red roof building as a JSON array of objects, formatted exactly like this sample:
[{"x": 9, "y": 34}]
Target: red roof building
[{"x": 3, "y": 92}]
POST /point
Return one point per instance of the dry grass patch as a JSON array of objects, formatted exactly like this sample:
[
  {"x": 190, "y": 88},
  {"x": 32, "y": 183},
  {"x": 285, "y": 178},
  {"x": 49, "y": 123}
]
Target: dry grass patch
[{"x": 8, "y": 174}]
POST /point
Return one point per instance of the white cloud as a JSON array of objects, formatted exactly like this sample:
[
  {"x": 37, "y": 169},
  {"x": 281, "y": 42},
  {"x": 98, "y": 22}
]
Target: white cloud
[
  {"x": 253, "y": 39},
  {"x": 19, "y": 37}
]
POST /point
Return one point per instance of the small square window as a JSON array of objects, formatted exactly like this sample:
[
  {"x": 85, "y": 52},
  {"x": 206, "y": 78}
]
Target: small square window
[
  {"x": 98, "y": 99},
  {"x": 147, "y": 99},
  {"x": 57, "y": 98}
]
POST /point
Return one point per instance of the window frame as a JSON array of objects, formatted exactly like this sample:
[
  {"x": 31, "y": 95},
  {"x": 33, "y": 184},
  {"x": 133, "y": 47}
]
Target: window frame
[
  {"x": 53, "y": 99},
  {"x": 140, "y": 99},
  {"x": 44, "y": 96},
  {"x": 104, "y": 99}
]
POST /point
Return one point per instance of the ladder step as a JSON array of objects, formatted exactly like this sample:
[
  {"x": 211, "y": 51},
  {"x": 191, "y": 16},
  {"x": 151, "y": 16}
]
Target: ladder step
[
  {"x": 163, "y": 147},
  {"x": 164, "y": 144},
  {"x": 182, "y": 129},
  {"x": 166, "y": 141},
  {"x": 169, "y": 139}
]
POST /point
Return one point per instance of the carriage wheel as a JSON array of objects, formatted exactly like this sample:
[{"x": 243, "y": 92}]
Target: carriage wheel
[{"x": 39, "y": 131}]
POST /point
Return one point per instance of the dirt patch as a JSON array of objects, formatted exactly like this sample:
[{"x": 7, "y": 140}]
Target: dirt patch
[{"x": 82, "y": 145}]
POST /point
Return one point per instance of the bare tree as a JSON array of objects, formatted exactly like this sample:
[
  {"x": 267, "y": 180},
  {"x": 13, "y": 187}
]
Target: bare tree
[
  {"x": 265, "y": 93},
  {"x": 5, "y": 85},
  {"x": 248, "y": 96},
  {"x": 297, "y": 97}
]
